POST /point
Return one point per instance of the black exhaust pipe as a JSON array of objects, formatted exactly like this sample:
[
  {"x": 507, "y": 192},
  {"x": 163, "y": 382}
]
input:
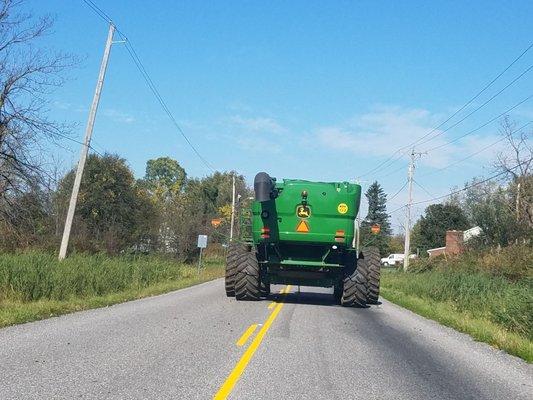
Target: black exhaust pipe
[{"x": 263, "y": 187}]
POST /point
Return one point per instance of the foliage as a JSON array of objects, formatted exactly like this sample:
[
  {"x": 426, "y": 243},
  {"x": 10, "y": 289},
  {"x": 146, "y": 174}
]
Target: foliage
[
  {"x": 36, "y": 285},
  {"x": 113, "y": 212},
  {"x": 164, "y": 175},
  {"x": 430, "y": 230},
  {"x": 377, "y": 214},
  {"x": 28, "y": 73},
  {"x": 493, "y": 286},
  {"x": 490, "y": 309}
]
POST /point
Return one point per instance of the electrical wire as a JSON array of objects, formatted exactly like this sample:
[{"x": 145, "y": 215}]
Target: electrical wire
[
  {"x": 476, "y": 109},
  {"x": 481, "y": 126},
  {"x": 422, "y": 187},
  {"x": 473, "y": 154},
  {"x": 149, "y": 81},
  {"x": 398, "y": 192},
  {"x": 458, "y": 110},
  {"x": 469, "y": 186}
]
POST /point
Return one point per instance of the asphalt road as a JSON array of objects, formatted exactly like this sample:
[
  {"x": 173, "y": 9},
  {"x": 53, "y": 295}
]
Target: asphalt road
[{"x": 184, "y": 345}]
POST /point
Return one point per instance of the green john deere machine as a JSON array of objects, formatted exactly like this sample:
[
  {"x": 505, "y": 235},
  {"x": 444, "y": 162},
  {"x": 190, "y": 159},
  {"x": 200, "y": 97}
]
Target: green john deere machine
[{"x": 302, "y": 233}]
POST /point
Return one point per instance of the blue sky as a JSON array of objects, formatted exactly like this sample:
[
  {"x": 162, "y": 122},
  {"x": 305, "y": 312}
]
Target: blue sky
[{"x": 302, "y": 89}]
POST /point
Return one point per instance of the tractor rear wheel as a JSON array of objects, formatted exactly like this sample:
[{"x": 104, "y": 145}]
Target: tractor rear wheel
[
  {"x": 354, "y": 291},
  {"x": 337, "y": 293},
  {"x": 247, "y": 279},
  {"x": 264, "y": 288},
  {"x": 371, "y": 255},
  {"x": 234, "y": 251}
]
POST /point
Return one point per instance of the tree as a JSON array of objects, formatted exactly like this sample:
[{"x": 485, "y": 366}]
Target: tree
[
  {"x": 516, "y": 163},
  {"x": 27, "y": 75},
  {"x": 377, "y": 214},
  {"x": 492, "y": 207},
  {"x": 113, "y": 212},
  {"x": 164, "y": 175},
  {"x": 430, "y": 230}
]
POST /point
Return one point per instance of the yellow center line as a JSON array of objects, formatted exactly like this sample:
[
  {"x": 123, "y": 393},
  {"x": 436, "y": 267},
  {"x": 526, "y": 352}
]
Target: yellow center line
[
  {"x": 271, "y": 305},
  {"x": 246, "y": 335},
  {"x": 241, "y": 365}
]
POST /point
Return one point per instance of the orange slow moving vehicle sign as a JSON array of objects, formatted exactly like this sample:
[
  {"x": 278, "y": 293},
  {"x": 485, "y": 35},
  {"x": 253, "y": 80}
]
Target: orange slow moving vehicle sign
[{"x": 302, "y": 227}]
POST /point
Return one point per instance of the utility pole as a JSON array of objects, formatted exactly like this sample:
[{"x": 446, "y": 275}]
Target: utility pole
[
  {"x": 232, "y": 209},
  {"x": 407, "y": 243},
  {"x": 86, "y": 145}
]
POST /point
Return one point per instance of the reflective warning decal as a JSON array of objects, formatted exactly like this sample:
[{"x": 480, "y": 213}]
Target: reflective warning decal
[
  {"x": 342, "y": 208},
  {"x": 302, "y": 227}
]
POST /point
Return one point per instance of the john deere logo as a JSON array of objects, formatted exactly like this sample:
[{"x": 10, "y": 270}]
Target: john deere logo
[{"x": 303, "y": 211}]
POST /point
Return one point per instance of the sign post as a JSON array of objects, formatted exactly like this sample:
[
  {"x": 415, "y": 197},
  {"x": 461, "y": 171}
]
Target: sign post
[{"x": 202, "y": 244}]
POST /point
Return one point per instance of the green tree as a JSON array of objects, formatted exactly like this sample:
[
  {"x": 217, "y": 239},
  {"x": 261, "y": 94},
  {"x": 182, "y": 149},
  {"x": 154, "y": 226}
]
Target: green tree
[
  {"x": 113, "y": 212},
  {"x": 164, "y": 175},
  {"x": 377, "y": 214},
  {"x": 430, "y": 230},
  {"x": 493, "y": 208}
]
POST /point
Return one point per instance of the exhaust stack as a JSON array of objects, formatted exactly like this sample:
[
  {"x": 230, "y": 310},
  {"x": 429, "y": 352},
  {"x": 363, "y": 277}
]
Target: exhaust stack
[{"x": 263, "y": 187}]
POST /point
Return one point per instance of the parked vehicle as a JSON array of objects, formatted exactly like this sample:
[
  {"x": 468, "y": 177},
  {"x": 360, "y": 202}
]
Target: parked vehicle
[
  {"x": 395, "y": 259},
  {"x": 392, "y": 260}
]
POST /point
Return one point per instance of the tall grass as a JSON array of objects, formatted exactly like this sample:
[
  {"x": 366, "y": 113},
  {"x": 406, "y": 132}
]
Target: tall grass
[
  {"x": 495, "y": 287},
  {"x": 35, "y": 284}
]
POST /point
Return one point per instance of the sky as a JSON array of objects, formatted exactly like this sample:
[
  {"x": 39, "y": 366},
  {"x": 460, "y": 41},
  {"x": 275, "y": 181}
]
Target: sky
[{"x": 303, "y": 89}]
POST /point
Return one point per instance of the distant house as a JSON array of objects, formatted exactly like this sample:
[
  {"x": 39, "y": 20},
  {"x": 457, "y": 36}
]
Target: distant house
[{"x": 455, "y": 241}]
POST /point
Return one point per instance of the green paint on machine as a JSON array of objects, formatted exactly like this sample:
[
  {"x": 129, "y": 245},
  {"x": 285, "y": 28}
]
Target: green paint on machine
[{"x": 301, "y": 233}]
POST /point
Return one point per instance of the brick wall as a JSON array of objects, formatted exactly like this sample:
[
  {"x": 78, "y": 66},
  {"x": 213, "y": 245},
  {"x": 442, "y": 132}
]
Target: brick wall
[{"x": 454, "y": 242}]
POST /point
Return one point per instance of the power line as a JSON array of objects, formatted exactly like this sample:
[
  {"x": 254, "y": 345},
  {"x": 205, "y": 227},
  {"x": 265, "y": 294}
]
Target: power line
[
  {"x": 149, "y": 81},
  {"x": 398, "y": 192},
  {"x": 477, "y": 108},
  {"x": 98, "y": 11},
  {"x": 475, "y": 153},
  {"x": 457, "y": 111},
  {"x": 469, "y": 186},
  {"x": 422, "y": 187},
  {"x": 481, "y": 126}
]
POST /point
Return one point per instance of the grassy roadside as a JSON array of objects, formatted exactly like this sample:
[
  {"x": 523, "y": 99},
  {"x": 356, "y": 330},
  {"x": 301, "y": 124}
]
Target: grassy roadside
[
  {"x": 464, "y": 295},
  {"x": 35, "y": 286}
]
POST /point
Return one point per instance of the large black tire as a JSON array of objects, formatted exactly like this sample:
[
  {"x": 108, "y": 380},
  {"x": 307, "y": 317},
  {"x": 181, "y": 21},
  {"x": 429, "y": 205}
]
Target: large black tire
[
  {"x": 354, "y": 291},
  {"x": 337, "y": 293},
  {"x": 264, "y": 288},
  {"x": 235, "y": 250},
  {"x": 247, "y": 280},
  {"x": 373, "y": 263}
]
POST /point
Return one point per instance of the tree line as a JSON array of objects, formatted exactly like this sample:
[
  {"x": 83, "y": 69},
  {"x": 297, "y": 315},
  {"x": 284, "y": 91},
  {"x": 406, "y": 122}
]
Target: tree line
[{"x": 162, "y": 212}]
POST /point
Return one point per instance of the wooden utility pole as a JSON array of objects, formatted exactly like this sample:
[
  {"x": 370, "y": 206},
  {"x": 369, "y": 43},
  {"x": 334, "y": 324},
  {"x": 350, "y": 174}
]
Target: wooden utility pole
[
  {"x": 407, "y": 244},
  {"x": 86, "y": 145},
  {"x": 232, "y": 209}
]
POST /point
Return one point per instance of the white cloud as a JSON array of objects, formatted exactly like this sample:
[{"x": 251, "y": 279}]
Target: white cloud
[
  {"x": 118, "y": 116},
  {"x": 382, "y": 131},
  {"x": 257, "y": 124}
]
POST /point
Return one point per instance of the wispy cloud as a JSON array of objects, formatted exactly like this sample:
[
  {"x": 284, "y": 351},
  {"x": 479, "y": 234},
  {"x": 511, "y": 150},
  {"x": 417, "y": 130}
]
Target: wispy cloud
[
  {"x": 380, "y": 132},
  {"x": 257, "y": 124},
  {"x": 118, "y": 116}
]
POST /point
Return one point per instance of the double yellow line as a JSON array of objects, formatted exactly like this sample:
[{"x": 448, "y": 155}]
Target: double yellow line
[{"x": 241, "y": 365}]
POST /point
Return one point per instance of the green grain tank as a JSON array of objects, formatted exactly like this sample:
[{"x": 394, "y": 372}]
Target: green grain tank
[{"x": 302, "y": 233}]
